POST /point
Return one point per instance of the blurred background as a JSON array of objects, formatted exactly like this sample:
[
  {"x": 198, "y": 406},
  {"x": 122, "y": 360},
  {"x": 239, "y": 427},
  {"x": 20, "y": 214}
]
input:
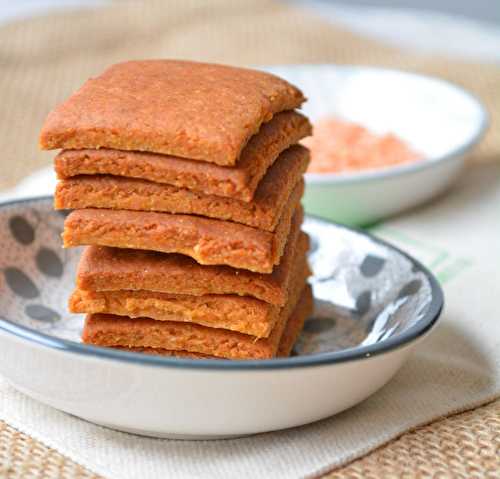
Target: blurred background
[
  {"x": 49, "y": 47},
  {"x": 484, "y": 10}
]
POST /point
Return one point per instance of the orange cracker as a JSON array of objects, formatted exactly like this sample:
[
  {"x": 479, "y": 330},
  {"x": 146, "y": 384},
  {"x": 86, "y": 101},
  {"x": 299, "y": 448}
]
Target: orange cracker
[
  {"x": 288, "y": 339},
  {"x": 282, "y": 183},
  {"x": 193, "y": 110},
  {"x": 208, "y": 241},
  {"x": 240, "y": 181},
  {"x": 296, "y": 322},
  {"x": 111, "y": 330},
  {"x": 227, "y": 311},
  {"x": 110, "y": 269}
]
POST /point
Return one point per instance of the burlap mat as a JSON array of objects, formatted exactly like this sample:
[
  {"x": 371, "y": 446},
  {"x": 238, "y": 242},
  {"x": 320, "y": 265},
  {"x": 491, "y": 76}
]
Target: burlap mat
[
  {"x": 465, "y": 445},
  {"x": 43, "y": 59}
]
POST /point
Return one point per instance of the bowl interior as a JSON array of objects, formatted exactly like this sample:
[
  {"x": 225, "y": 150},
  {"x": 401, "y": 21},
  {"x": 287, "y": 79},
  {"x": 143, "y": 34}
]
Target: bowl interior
[
  {"x": 433, "y": 116},
  {"x": 366, "y": 292}
]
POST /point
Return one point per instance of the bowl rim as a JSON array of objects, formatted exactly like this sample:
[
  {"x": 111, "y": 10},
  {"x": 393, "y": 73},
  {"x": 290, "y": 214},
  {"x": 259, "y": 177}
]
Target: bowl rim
[
  {"x": 339, "y": 179},
  {"x": 413, "y": 333}
]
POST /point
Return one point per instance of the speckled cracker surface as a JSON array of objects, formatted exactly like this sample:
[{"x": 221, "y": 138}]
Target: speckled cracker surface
[
  {"x": 188, "y": 109},
  {"x": 228, "y": 311},
  {"x": 295, "y": 323},
  {"x": 111, "y": 330},
  {"x": 240, "y": 181},
  {"x": 236, "y": 313},
  {"x": 208, "y": 241},
  {"x": 283, "y": 182},
  {"x": 112, "y": 269},
  {"x": 292, "y": 330}
]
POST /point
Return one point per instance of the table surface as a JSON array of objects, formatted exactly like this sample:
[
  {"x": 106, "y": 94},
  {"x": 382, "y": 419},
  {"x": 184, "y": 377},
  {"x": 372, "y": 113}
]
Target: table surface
[{"x": 459, "y": 36}]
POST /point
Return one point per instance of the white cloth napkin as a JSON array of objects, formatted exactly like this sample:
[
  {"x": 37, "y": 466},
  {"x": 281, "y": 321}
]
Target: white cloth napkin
[{"x": 456, "y": 368}]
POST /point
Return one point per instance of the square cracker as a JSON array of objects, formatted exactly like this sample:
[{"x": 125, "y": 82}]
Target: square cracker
[
  {"x": 240, "y": 181},
  {"x": 103, "y": 268},
  {"x": 208, "y": 241},
  {"x": 282, "y": 182},
  {"x": 227, "y": 311},
  {"x": 111, "y": 330},
  {"x": 288, "y": 339},
  {"x": 193, "y": 110}
]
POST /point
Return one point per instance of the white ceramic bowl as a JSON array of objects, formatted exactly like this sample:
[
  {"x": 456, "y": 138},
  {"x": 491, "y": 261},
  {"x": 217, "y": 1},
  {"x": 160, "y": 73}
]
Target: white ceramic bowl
[
  {"x": 373, "y": 304},
  {"x": 436, "y": 118}
]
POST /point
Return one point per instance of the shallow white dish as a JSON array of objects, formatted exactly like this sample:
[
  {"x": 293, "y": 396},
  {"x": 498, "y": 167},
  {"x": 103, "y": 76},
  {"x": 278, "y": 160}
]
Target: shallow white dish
[
  {"x": 436, "y": 118},
  {"x": 372, "y": 305}
]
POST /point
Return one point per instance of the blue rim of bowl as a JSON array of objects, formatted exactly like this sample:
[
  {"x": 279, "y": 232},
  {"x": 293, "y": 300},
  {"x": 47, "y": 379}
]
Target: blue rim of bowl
[
  {"x": 410, "y": 335},
  {"x": 344, "y": 179}
]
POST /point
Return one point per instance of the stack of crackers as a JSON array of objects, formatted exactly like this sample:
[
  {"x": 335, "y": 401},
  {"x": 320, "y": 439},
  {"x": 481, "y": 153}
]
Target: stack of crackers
[{"x": 186, "y": 180}]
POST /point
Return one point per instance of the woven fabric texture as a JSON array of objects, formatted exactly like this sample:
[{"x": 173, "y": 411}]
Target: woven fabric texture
[
  {"x": 22, "y": 457},
  {"x": 44, "y": 59},
  {"x": 465, "y": 446}
]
